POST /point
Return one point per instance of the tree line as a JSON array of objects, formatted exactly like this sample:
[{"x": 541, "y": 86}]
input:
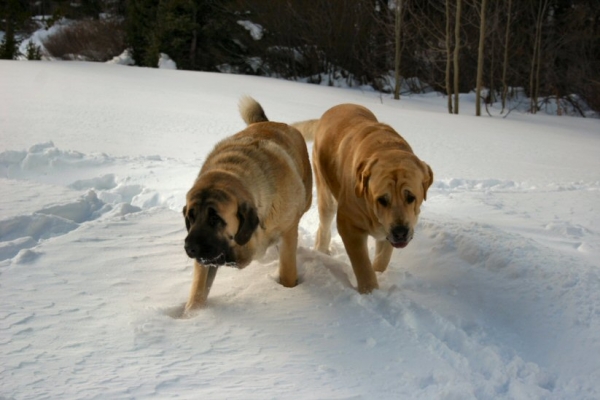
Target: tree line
[{"x": 550, "y": 49}]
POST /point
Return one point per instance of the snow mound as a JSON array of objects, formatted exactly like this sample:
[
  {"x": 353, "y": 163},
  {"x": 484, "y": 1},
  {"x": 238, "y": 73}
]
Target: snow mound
[
  {"x": 474, "y": 184},
  {"x": 24, "y": 232},
  {"x": 26, "y": 256},
  {"x": 165, "y": 62},
  {"x": 256, "y": 30},
  {"x": 41, "y": 156},
  {"x": 123, "y": 209},
  {"x": 105, "y": 182},
  {"x": 106, "y": 196},
  {"x": 88, "y": 208},
  {"x": 124, "y": 58},
  {"x": 36, "y": 226},
  {"x": 11, "y": 248},
  {"x": 482, "y": 185}
]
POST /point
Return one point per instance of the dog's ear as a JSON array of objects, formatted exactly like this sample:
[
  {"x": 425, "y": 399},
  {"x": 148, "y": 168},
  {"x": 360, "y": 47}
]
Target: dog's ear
[
  {"x": 363, "y": 173},
  {"x": 187, "y": 221},
  {"x": 427, "y": 180},
  {"x": 248, "y": 223}
]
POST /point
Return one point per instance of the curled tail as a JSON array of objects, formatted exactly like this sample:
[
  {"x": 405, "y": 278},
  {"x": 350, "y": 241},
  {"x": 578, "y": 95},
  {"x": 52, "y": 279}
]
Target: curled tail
[
  {"x": 307, "y": 128},
  {"x": 251, "y": 111}
]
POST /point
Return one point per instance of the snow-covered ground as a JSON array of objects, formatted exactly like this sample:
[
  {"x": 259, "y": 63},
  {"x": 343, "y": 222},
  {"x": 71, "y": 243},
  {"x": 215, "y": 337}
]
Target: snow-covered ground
[{"x": 498, "y": 295}]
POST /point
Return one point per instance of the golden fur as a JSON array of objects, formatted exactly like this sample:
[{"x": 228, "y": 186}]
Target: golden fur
[
  {"x": 367, "y": 173},
  {"x": 251, "y": 193}
]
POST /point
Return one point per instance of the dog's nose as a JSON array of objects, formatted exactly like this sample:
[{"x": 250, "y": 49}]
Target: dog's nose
[
  {"x": 191, "y": 250},
  {"x": 400, "y": 233}
]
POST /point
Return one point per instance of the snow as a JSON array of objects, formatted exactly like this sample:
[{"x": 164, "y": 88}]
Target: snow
[
  {"x": 497, "y": 296},
  {"x": 165, "y": 62},
  {"x": 40, "y": 35},
  {"x": 256, "y": 30},
  {"x": 125, "y": 58}
]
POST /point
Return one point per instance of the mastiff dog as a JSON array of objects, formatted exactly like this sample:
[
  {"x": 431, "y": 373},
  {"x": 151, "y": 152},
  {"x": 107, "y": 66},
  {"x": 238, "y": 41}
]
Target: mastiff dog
[
  {"x": 250, "y": 194},
  {"x": 367, "y": 174}
]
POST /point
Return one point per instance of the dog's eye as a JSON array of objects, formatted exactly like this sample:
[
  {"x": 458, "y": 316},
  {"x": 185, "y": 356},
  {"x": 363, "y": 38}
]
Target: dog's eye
[
  {"x": 383, "y": 201},
  {"x": 191, "y": 215},
  {"x": 213, "y": 217},
  {"x": 410, "y": 198}
]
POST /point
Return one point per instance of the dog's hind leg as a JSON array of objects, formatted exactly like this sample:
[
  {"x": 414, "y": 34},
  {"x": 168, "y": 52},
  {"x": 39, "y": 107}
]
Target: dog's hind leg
[
  {"x": 383, "y": 253},
  {"x": 288, "y": 273},
  {"x": 327, "y": 206},
  {"x": 203, "y": 279}
]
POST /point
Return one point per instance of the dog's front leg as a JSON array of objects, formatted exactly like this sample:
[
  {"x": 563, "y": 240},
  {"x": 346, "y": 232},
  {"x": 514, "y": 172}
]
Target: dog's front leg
[
  {"x": 355, "y": 242},
  {"x": 288, "y": 273},
  {"x": 201, "y": 284},
  {"x": 383, "y": 254}
]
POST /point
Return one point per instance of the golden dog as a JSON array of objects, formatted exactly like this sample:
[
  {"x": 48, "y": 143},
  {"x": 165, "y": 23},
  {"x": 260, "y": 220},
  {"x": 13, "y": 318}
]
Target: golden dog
[
  {"x": 251, "y": 192},
  {"x": 369, "y": 174}
]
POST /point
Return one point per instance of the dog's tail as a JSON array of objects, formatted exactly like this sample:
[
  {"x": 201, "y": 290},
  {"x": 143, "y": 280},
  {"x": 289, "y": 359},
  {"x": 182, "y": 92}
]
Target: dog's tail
[
  {"x": 251, "y": 111},
  {"x": 307, "y": 128}
]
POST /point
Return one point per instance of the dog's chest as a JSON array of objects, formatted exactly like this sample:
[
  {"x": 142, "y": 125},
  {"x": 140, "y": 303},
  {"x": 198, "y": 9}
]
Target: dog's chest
[
  {"x": 377, "y": 231},
  {"x": 262, "y": 241}
]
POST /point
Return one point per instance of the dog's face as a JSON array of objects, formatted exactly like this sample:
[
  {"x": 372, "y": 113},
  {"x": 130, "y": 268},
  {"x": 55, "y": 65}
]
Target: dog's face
[
  {"x": 217, "y": 223},
  {"x": 394, "y": 190}
]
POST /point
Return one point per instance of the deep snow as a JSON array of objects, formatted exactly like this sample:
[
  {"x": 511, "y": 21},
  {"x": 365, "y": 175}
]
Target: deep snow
[{"x": 498, "y": 295}]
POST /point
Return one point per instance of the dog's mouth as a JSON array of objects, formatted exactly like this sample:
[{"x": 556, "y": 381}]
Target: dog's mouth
[
  {"x": 399, "y": 245},
  {"x": 213, "y": 261},
  {"x": 399, "y": 236},
  {"x": 219, "y": 261}
]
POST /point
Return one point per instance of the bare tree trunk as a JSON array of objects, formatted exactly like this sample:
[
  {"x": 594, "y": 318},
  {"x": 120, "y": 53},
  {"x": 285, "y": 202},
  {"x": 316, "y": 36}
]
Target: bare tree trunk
[
  {"x": 480, "y": 59},
  {"x": 448, "y": 58},
  {"x": 535, "y": 68},
  {"x": 194, "y": 44},
  {"x": 539, "y": 52},
  {"x": 532, "y": 109},
  {"x": 456, "y": 51},
  {"x": 397, "y": 31},
  {"x": 493, "y": 93},
  {"x": 505, "y": 66}
]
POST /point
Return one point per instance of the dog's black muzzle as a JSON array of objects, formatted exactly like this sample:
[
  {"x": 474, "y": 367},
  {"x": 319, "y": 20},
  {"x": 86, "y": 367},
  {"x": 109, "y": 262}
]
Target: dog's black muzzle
[{"x": 207, "y": 250}]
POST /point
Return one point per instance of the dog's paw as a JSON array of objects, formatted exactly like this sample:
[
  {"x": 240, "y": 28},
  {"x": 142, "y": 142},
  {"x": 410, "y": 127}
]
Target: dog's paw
[
  {"x": 192, "y": 309},
  {"x": 187, "y": 314},
  {"x": 183, "y": 311},
  {"x": 367, "y": 289},
  {"x": 289, "y": 283},
  {"x": 323, "y": 249},
  {"x": 174, "y": 312},
  {"x": 379, "y": 268}
]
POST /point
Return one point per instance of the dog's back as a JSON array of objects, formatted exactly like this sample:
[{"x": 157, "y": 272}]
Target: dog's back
[{"x": 269, "y": 154}]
